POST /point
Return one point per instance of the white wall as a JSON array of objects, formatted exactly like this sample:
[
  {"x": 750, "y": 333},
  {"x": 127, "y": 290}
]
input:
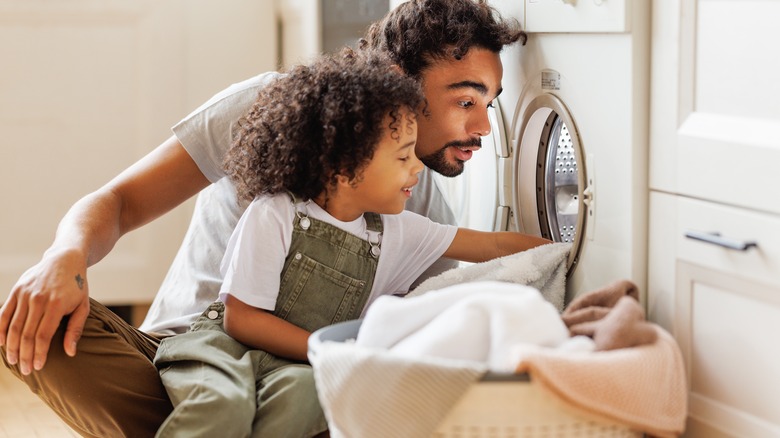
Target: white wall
[{"x": 88, "y": 87}]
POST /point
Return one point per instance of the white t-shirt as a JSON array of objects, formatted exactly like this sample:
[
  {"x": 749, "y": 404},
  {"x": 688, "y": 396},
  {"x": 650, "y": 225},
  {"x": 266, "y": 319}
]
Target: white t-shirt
[
  {"x": 252, "y": 271},
  {"x": 194, "y": 279}
]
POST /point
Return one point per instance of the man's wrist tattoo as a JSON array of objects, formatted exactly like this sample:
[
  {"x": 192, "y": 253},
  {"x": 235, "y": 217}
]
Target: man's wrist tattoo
[{"x": 80, "y": 281}]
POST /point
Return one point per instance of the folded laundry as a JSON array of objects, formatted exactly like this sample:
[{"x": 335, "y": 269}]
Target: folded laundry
[
  {"x": 421, "y": 353},
  {"x": 478, "y": 321}
]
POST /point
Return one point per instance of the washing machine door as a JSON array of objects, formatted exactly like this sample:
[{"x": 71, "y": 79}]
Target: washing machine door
[{"x": 551, "y": 193}]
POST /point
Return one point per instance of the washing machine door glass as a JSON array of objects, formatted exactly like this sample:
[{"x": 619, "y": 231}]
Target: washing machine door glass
[
  {"x": 473, "y": 195},
  {"x": 550, "y": 178},
  {"x": 558, "y": 174}
]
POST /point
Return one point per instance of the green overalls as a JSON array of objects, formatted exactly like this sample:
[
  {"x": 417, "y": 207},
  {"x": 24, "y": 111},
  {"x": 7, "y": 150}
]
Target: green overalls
[{"x": 327, "y": 278}]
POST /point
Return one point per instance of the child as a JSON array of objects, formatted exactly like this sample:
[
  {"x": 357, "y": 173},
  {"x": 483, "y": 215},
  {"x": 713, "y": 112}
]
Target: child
[{"x": 327, "y": 157}]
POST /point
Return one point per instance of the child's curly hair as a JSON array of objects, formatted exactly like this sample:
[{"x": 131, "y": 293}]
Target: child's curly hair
[
  {"x": 318, "y": 121},
  {"x": 417, "y": 32}
]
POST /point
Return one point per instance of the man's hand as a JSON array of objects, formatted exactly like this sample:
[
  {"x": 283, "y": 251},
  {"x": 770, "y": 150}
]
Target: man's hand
[{"x": 55, "y": 287}]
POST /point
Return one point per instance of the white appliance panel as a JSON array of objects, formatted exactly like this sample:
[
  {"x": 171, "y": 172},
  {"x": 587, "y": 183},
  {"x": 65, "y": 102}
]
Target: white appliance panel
[{"x": 601, "y": 77}]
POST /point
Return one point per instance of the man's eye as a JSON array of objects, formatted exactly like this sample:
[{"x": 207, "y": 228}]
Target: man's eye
[
  {"x": 466, "y": 103},
  {"x": 490, "y": 105}
]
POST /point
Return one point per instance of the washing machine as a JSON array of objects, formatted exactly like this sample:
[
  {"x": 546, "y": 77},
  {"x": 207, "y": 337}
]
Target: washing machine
[{"x": 567, "y": 156}]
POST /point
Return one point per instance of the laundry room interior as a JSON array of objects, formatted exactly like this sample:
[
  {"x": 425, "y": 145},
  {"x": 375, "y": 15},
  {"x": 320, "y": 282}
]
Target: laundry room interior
[{"x": 637, "y": 131}]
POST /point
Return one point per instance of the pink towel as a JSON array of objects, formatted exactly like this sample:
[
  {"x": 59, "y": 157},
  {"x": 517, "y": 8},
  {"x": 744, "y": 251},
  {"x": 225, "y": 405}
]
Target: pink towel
[{"x": 643, "y": 387}]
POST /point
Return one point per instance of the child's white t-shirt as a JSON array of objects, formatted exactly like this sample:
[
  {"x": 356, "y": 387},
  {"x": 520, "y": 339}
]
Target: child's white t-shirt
[{"x": 256, "y": 251}]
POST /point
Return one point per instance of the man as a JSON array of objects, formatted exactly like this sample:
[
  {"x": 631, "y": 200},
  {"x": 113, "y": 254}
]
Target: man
[{"x": 94, "y": 369}]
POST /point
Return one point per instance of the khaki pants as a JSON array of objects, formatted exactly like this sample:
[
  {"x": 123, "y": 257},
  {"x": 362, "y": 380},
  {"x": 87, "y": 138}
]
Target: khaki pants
[{"x": 110, "y": 388}]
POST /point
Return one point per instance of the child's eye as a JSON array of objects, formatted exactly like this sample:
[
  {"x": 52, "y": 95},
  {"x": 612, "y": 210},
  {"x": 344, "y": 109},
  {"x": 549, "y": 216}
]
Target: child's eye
[{"x": 404, "y": 158}]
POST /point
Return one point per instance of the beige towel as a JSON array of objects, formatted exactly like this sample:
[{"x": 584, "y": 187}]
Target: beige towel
[
  {"x": 643, "y": 387},
  {"x": 611, "y": 315}
]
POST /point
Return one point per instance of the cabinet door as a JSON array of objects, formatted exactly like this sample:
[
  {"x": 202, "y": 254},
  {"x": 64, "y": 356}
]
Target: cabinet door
[
  {"x": 727, "y": 328},
  {"x": 88, "y": 88},
  {"x": 727, "y": 318},
  {"x": 715, "y": 113}
]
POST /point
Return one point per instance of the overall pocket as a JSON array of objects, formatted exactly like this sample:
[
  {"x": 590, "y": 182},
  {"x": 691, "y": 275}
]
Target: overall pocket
[{"x": 313, "y": 295}]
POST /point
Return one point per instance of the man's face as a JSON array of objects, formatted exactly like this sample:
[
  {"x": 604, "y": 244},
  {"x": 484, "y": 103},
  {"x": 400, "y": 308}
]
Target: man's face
[{"x": 459, "y": 93}]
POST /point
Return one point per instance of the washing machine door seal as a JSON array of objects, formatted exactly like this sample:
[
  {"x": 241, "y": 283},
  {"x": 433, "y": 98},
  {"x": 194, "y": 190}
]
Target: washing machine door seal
[{"x": 549, "y": 185}]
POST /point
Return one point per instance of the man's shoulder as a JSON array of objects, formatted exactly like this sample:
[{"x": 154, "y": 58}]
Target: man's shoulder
[
  {"x": 428, "y": 200},
  {"x": 250, "y": 85}
]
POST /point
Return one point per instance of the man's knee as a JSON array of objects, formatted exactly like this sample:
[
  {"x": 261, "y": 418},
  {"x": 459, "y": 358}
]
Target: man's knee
[{"x": 110, "y": 388}]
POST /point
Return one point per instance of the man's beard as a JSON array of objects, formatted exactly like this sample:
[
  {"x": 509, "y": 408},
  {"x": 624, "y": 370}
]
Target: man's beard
[{"x": 437, "y": 161}]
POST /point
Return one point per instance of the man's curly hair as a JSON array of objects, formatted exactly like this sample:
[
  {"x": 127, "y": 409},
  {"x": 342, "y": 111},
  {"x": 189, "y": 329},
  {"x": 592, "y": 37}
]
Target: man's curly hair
[
  {"x": 318, "y": 121},
  {"x": 418, "y": 32}
]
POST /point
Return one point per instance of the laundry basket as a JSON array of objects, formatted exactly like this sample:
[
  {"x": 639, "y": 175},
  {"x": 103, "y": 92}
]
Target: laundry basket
[{"x": 502, "y": 405}]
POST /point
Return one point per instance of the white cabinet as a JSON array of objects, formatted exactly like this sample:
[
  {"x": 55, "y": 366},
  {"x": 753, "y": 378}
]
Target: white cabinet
[
  {"x": 714, "y": 167},
  {"x": 724, "y": 307}
]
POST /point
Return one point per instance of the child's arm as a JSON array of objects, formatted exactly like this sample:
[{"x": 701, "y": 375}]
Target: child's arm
[
  {"x": 260, "y": 329},
  {"x": 479, "y": 246}
]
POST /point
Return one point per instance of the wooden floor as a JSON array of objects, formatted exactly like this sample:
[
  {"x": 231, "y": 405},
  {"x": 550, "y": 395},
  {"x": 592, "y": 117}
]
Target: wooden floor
[{"x": 24, "y": 415}]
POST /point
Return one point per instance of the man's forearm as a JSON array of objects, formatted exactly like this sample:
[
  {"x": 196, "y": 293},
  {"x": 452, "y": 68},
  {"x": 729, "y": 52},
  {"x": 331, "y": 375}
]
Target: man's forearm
[{"x": 91, "y": 227}]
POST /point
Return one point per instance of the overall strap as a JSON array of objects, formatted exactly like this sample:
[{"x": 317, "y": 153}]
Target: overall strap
[{"x": 373, "y": 222}]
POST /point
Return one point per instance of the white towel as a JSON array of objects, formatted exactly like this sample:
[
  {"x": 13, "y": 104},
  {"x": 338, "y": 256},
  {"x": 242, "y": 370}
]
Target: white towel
[
  {"x": 478, "y": 321},
  {"x": 543, "y": 268}
]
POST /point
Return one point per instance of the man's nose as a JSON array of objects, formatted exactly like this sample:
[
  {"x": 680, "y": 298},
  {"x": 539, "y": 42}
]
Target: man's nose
[{"x": 479, "y": 123}]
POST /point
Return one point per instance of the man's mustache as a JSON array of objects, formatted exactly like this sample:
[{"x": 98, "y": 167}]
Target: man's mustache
[{"x": 468, "y": 143}]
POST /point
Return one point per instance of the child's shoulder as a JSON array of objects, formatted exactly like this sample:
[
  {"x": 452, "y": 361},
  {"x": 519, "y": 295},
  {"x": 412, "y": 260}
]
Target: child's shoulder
[{"x": 272, "y": 205}]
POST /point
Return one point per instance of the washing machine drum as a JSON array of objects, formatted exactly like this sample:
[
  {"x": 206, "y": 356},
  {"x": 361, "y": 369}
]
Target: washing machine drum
[{"x": 536, "y": 183}]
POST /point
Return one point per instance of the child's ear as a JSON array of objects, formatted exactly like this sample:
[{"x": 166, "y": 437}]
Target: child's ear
[{"x": 343, "y": 180}]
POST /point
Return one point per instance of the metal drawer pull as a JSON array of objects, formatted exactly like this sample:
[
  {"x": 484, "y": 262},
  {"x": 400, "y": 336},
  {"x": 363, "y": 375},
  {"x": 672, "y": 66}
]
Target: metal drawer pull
[{"x": 716, "y": 239}]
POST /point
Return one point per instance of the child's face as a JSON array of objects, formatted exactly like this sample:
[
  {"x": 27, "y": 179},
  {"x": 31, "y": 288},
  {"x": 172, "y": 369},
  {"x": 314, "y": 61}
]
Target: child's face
[
  {"x": 458, "y": 93},
  {"x": 386, "y": 182}
]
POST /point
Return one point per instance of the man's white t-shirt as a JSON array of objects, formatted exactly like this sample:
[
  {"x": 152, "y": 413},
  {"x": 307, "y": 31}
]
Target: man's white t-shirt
[
  {"x": 256, "y": 252},
  {"x": 194, "y": 279}
]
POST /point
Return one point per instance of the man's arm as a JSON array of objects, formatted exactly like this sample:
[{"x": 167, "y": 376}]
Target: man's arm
[
  {"x": 480, "y": 246},
  {"x": 57, "y": 285}
]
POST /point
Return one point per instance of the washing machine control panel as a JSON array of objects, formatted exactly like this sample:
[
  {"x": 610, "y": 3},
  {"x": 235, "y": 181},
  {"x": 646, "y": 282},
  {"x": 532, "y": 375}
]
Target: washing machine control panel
[{"x": 577, "y": 16}]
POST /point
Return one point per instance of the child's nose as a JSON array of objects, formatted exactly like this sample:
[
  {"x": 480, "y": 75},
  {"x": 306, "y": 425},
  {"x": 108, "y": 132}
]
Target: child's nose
[{"x": 417, "y": 165}]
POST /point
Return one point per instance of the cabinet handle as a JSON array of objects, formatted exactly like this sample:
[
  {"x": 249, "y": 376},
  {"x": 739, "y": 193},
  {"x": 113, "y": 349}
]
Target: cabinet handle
[{"x": 716, "y": 239}]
